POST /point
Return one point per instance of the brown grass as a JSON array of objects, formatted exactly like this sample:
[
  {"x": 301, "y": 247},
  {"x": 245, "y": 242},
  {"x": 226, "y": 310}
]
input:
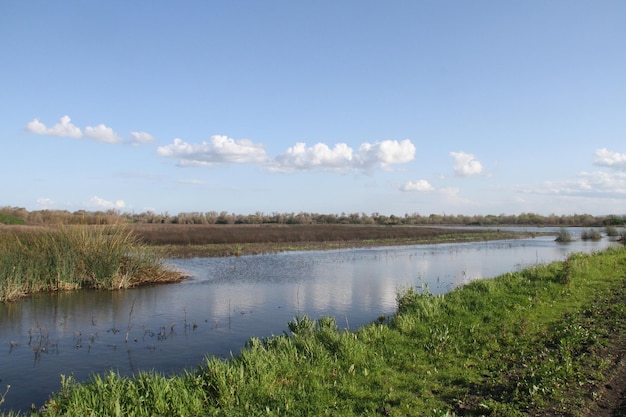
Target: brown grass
[{"x": 225, "y": 240}]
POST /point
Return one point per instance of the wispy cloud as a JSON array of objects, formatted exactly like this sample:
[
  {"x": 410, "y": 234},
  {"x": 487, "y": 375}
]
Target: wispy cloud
[
  {"x": 102, "y": 204},
  {"x": 466, "y": 164},
  {"x": 193, "y": 182},
  {"x": 598, "y": 184},
  {"x": 586, "y": 184},
  {"x": 141, "y": 138},
  {"x": 419, "y": 185},
  {"x": 101, "y": 133},
  {"x": 45, "y": 202},
  {"x": 217, "y": 151}
]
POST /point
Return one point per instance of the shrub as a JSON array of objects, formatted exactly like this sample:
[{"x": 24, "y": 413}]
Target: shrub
[
  {"x": 591, "y": 234},
  {"x": 563, "y": 235}
]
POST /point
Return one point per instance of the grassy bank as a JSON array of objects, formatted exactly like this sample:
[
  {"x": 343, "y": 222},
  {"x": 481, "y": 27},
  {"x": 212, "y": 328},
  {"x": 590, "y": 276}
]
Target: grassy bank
[
  {"x": 541, "y": 341},
  {"x": 73, "y": 257}
]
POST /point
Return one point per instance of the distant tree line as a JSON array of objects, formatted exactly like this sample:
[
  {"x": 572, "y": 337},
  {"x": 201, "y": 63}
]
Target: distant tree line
[{"x": 18, "y": 215}]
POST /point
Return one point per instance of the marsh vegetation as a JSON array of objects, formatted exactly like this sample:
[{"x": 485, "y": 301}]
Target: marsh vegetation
[
  {"x": 492, "y": 347},
  {"x": 541, "y": 341},
  {"x": 35, "y": 259},
  {"x": 174, "y": 240}
]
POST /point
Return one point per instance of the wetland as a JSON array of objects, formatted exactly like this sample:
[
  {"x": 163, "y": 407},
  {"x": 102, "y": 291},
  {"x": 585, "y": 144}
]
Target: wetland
[{"x": 229, "y": 300}]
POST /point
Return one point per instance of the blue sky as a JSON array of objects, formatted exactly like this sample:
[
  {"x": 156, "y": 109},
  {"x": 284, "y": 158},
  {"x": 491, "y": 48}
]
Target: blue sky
[{"x": 456, "y": 107}]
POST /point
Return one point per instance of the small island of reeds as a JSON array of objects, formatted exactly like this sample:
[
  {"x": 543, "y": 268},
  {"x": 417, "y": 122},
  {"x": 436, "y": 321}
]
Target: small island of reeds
[{"x": 68, "y": 257}]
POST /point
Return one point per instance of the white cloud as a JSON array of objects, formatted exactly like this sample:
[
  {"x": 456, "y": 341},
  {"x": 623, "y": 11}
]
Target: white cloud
[
  {"x": 45, "y": 202},
  {"x": 141, "y": 138},
  {"x": 193, "y": 182},
  {"x": 342, "y": 158},
  {"x": 386, "y": 153},
  {"x": 64, "y": 128},
  {"x": 589, "y": 184},
  {"x": 102, "y": 133},
  {"x": 100, "y": 203},
  {"x": 604, "y": 157},
  {"x": 419, "y": 185},
  {"x": 219, "y": 150},
  {"x": 319, "y": 156},
  {"x": 466, "y": 164}
]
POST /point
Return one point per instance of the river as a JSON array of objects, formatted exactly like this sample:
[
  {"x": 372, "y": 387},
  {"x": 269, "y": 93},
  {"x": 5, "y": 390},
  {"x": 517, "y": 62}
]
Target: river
[{"x": 227, "y": 301}]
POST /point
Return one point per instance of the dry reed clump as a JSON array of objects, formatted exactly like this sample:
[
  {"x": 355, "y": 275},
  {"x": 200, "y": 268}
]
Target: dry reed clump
[{"x": 72, "y": 257}]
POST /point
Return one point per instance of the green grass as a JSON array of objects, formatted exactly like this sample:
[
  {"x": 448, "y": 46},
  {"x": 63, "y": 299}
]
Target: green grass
[
  {"x": 73, "y": 257},
  {"x": 533, "y": 342},
  {"x": 8, "y": 219}
]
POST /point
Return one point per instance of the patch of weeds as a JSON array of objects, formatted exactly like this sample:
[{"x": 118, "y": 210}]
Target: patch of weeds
[{"x": 563, "y": 236}]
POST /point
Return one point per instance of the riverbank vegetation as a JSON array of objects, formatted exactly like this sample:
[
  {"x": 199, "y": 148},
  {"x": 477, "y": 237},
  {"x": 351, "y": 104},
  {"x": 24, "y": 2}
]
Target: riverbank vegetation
[
  {"x": 35, "y": 259},
  {"x": 40, "y": 217},
  {"x": 542, "y": 341}
]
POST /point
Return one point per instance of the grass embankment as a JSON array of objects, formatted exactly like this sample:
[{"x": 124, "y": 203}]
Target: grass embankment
[
  {"x": 541, "y": 341},
  {"x": 34, "y": 259},
  {"x": 179, "y": 240}
]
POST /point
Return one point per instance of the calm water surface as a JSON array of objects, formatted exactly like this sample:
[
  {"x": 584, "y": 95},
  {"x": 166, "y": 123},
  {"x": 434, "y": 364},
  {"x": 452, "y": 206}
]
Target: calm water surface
[{"x": 229, "y": 300}]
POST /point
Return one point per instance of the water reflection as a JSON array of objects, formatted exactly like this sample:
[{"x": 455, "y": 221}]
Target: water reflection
[{"x": 229, "y": 300}]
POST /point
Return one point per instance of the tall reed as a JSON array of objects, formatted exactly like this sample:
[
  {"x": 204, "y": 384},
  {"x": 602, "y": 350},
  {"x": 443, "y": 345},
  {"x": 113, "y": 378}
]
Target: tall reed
[{"x": 73, "y": 257}]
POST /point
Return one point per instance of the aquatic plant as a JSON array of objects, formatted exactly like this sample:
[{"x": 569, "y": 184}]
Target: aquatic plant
[
  {"x": 591, "y": 234},
  {"x": 72, "y": 257},
  {"x": 563, "y": 235}
]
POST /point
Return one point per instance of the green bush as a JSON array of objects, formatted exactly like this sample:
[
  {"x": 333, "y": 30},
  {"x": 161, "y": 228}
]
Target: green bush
[{"x": 8, "y": 219}]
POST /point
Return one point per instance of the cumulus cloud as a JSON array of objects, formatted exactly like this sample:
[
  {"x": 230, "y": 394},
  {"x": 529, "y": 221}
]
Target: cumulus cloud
[
  {"x": 100, "y": 203},
  {"x": 419, "y": 185},
  {"x": 218, "y": 150},
  {"x": 606, "y": 158},
  {"x": 387, "y": 152},
  {"x": 102, "y": 133},
  {"x": 342, "y": 158},
  {"x": 319, "y": 156},
  {"x": 64, "y": 128},
  {"x": 466, "y": 164},
  {"x": 141, "y": 138}
]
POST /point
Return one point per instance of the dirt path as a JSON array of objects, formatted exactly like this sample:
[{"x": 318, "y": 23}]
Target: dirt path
[{"x": 610, "y": 400}]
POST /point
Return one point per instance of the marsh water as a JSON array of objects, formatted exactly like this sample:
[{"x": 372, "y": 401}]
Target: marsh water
[{"x": 227, "y": 301}]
